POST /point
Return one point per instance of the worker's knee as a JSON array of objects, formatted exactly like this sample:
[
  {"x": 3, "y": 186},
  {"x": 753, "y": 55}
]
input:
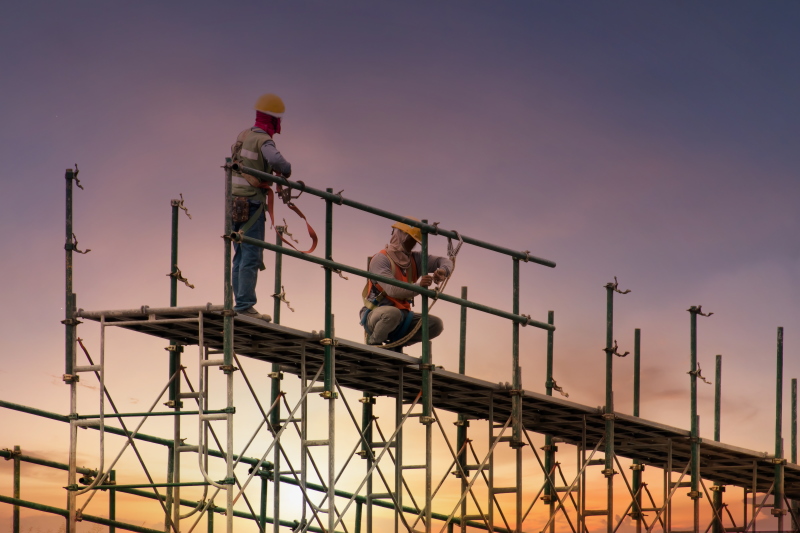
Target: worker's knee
[{"x": 435, "y": 326}]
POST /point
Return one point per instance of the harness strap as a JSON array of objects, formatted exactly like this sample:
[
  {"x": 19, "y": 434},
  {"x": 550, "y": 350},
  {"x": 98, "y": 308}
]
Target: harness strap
[{"x": 269, "y": 200}]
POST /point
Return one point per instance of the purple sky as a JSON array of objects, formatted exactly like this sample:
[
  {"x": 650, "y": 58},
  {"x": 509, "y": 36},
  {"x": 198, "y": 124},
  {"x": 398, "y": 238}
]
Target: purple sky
[{"x": 654, "y": 142}]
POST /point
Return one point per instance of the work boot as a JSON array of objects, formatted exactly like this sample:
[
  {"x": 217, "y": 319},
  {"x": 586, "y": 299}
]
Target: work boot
[{"x": 252, "y": 313}]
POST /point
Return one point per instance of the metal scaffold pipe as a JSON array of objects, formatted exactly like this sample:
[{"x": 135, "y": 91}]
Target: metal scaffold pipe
[
  {"x": 340, "y": 200},
  {"x": 777, "y": 508},
  {"x": 523, "y": 320}
]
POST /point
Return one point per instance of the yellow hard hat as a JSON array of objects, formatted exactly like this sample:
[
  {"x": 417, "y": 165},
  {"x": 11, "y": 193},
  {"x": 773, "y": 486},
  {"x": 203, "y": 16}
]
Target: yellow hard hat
[
  {"x": 414, "y": 232},
  {"x": 271, "y": 104}
]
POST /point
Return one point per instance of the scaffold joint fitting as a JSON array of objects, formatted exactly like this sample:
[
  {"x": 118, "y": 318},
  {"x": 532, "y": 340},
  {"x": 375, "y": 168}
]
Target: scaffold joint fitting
[
  {"x": 229, "y": 410},
  {"x": 426, "y": 420},
  {"x": 717, "y": 488},
  {"x": 72, "y": 488},
  {"x": 516, "y": 444},
  {"x": 329, "y": 342},
  {"x": 461, "y": 423},
  {"x": 329, "y": 395},
  {"x": 228, "y": 312},
  {"x": 778, "y": 461},
  {"x": 174, "y": 348},
  {"x": 549, "y": 448},
  {"x": 609, "y": 416},
  {"x": 227, "y": 481},
  {"x": 609, "y": 472},
  {"x": 172, "y": 404},
  {"x": 777, "y": 512},
  {"x": 695, "y": 495},
  {"x": 637, "y": 467},
  {"x": 70, "y": 378},
  {"x": 636, "y": 515},
  {"x": 547, "y": 498},
  {"x": 71, "y": 322},
  {"x": 368, "y": 400},
  {"x": 275, "y": 375},
  {"x": 228, "y": 368}
]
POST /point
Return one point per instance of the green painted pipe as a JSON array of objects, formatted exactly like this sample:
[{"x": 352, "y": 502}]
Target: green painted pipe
[
  {"x": 85, "y": 517},
  {"x": 117, "y": 431},
  {"x": 329, "y": 196},
  {"x": 390, "y": 281}
]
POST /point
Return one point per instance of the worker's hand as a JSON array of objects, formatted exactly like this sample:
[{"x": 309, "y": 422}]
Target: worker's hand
[
  {"x": 425, "y": 281},
  {"x": 440, "y": 275}
]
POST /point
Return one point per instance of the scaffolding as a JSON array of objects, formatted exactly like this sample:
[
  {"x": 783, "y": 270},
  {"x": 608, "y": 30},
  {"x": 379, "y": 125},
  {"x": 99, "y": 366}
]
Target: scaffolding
[{"x": 300, "y": 464}]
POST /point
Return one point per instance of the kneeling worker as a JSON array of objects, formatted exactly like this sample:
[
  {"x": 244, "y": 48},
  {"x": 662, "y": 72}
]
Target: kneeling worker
[{"x": 386, "y": 315}]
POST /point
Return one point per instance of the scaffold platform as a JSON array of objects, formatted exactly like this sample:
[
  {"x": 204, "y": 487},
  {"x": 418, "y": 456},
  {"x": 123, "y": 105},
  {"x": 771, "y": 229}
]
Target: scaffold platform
[{"x": 381, "y": 372}]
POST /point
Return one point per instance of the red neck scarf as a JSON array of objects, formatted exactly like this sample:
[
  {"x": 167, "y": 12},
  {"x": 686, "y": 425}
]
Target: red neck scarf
[{"x": 268, "y": 123}]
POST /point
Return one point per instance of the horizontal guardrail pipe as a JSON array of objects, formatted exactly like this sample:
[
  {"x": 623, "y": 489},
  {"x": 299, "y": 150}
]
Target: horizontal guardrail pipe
[
  {"x": 525, "y": 321},
  {"x": 7, "y": 454},
  {"x": 337, "y": 199},
  {"x": 86, "y": 518},
  {"x": 154, "y": 413},
  {"x": 117, "y": 431}
]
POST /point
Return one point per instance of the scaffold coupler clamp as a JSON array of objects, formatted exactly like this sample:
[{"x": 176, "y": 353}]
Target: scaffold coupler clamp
[
  {"x": 326, "y": 341},
  {"x": 614, "y": 350},
  {"x": 695, "y": 495},
  {"x": 71, "y": 322},
  {"x": 228, "y": 369},
  {"x": 609, "y": 472},
  {"x": 70, "y": 378},
  {"x": 427, "y": 420},
  {"x": 461, "y": 423},
  {"x": 778, "y": 461},
  {"x": 698, "y": 309},
  {"x": 329, "y": 395},
  {"x": 367, "y": 400},
  {"x": 777, "y": 512},
  {"x": 227, "y": 312},
  {"x": 275, "y": 375},
  {"x": 517, "y": 444},
  {"x": 172, "y": 404},
  {"x": 549, "y": 448},
  {"x": 637, "y": 515},
  {"x": 615, "y": 287},
  {"x": 717, "y": 488},
  {"x": 637, "y": 467},
  {"x": 179, "y": 205}
]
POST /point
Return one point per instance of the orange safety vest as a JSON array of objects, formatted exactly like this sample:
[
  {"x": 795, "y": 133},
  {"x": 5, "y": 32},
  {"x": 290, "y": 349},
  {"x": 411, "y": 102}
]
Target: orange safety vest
[{"x": 410, "y": 276}]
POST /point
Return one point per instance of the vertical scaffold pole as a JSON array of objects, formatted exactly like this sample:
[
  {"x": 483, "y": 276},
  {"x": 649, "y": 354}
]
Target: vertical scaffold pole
[
  {"x": 777, "y": 509},
  {"x": 398, "y": 471},
  {"x": 366, "y": 449},
  {"x": 174, "y": 460},
  {"x": 70, "y": 326},
  {"x": 17, "y": 491},
  {"x": 549, "y": 447},
  {"x": 463, "y": 423},
  {"x": 516, "y": 399},
  {"x": 330, "y": 371},
  {"x": 717, "y": 488},
  {"x": 227, "y": 348},
  {"x": 112, "y": 500},
  {"x": 794, "y": 433},
  {"x": 637, "y": 467},
  {"x": 427, "y": 389},
  {"x": 275, "y": 388},
  {"x": 695, "y": 492},
  {"x": 608, "y": 415}
]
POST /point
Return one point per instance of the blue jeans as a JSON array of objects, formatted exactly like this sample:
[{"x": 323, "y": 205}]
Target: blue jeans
[{"x": 247, "y": 260}]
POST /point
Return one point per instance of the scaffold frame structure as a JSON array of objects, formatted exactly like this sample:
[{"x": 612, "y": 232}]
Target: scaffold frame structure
[{"x": 304, "y": 439}]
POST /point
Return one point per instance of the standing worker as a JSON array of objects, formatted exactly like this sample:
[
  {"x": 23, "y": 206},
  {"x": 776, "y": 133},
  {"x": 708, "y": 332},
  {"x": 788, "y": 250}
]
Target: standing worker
[
  {"x": 254, "y": 148},
  {"x": 386, "y": 315}
]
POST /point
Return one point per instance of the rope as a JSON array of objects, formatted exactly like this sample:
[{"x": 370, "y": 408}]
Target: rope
[{"x": 452, "y": 252}]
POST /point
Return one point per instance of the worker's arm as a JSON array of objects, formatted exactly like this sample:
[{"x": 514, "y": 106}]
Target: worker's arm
[
  {"x": 435, "y": 263},
  {"x": 380, "y": 265},
  {"x": 274, "y": 158}
]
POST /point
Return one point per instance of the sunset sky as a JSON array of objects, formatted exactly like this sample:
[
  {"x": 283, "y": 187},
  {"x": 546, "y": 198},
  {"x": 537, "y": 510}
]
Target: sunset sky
[{"x": 656, "y": 142}]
